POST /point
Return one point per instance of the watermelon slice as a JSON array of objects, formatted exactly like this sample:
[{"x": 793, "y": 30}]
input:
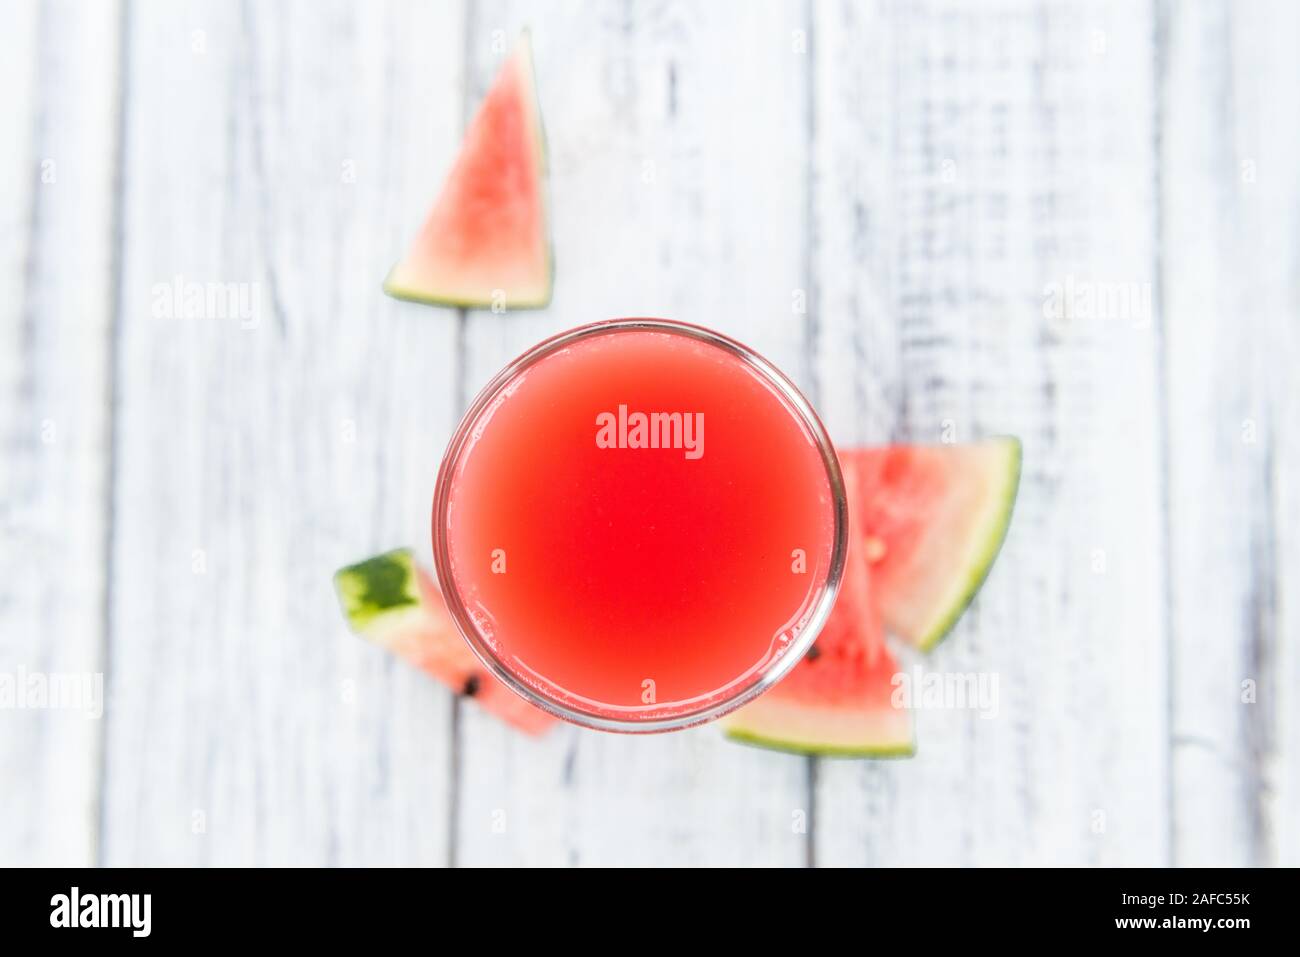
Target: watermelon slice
[
  {"x": 392, "y": 602},
  {"x": 837, "y": 701},
  {"x": 925, "y": 524},
  {"x": 486, "y": 242},
  {"x": 931, "y": 519}
]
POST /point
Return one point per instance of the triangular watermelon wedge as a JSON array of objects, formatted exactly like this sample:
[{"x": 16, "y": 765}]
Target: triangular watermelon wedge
[
  {"x": 392, "y": 602},
  {"x": 931, "y": 519},
  {"x": 925, "y": 524},
  {"x": 838, "y": 701},
  {"x": 486, "y": 242}
]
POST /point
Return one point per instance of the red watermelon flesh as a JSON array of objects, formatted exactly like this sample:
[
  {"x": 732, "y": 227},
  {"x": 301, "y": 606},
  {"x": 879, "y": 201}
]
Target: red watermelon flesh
[
  {"x": 486, "y": 242},
  {"x": 392, "y": 602},
  {"x": 838, "y": 700}
]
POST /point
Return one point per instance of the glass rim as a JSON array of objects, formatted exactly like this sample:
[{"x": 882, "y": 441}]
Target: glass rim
[{"x": 768, "y": 674}]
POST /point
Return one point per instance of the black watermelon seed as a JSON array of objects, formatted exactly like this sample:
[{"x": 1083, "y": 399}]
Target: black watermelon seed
[
  {"x": 471, "y": 686},
  {"x": 813, "y": 653}
]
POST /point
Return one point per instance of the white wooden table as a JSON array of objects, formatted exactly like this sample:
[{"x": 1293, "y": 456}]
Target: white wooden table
[{"x": 888, "y": 199}]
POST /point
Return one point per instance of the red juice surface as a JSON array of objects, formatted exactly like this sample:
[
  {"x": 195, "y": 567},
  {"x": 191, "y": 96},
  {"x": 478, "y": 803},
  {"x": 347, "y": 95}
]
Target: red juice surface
[{"x": 592, "y": 564}]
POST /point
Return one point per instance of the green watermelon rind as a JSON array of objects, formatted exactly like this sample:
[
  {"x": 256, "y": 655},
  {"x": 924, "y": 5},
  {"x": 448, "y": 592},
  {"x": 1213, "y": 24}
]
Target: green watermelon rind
[
  {"x": 451, "y": 302},
  {"x": 821, "y": 751},
  {"x": 993, "y": 539},
  {"x": 376, "y": 592},
  {"x": 844, "y": 730},
  {"x": 406, "y": 294}
]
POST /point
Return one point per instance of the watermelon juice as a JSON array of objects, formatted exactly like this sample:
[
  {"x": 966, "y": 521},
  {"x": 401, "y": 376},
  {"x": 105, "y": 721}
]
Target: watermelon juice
[{"x": 639, "y": 525}]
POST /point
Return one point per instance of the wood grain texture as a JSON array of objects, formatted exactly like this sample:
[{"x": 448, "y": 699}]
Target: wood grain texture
[
  {"x": 677, "y": 149},
  {"x": 58, "y": 123},
  {"x": 281, "y": 147},
  {"x": 968, "y": 162},
  {"x": 888, "y": 199},
  {"x": 1231, "y": 222}
]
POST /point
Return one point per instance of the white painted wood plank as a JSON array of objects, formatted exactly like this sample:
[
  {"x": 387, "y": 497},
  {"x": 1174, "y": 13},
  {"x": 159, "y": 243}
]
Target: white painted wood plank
[
  {"x": 678, "y": 168},
  {"x": 1231, "y": 200},
  {"x": 291, "y": 149},
  {"x": 58, "y": 70},
  {"x": 966, "y": 159}
]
